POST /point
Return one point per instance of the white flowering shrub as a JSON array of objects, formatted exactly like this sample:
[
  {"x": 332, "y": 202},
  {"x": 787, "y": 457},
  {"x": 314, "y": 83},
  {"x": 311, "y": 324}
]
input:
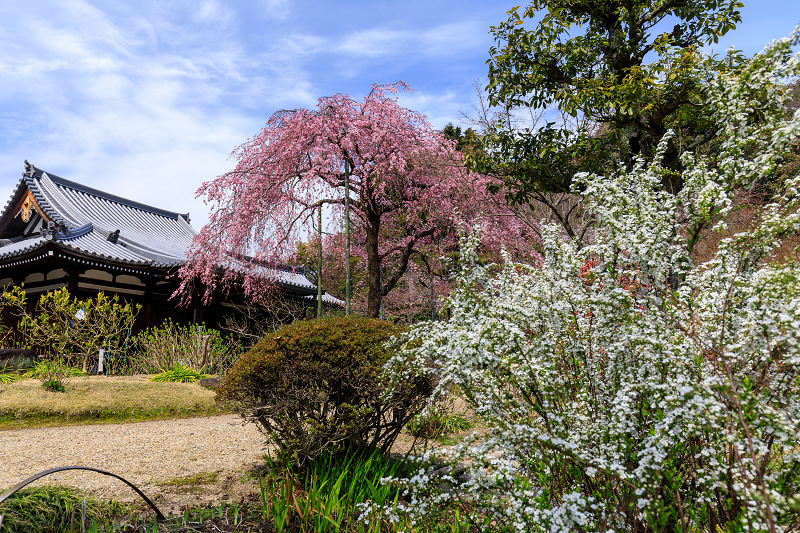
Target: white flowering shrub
[{"x": 625, "y": 387}]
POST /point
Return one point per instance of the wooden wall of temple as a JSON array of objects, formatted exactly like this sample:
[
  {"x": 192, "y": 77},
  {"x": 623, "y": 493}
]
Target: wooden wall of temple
[{"x": 85, "y": 280}]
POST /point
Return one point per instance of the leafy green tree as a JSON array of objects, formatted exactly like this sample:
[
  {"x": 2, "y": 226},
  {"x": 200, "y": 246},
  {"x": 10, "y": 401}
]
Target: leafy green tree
[
  {"x": 106, "y": 323},
  {"x": 53, "y": 325},
  {"x": 463, "y": 139},
  {"x": 606, "y": 64}
]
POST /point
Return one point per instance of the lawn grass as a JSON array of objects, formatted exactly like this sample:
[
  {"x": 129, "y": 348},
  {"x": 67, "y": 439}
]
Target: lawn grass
[{"x": 101, "y": 399}]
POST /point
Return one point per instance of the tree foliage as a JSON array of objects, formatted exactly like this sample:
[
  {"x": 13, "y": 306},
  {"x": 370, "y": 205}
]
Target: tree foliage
[
  {"x": 61, "y": 323},
  {"x": 463, "y": 139},
  {"x": 608, "y": 63}
]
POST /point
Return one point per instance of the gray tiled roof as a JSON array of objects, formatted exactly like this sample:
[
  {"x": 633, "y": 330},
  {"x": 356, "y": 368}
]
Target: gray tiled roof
[
  {"x": 148, "y": 236},
  {"x": 96, "y": 245},
  {"x": 294, "y": 276}
]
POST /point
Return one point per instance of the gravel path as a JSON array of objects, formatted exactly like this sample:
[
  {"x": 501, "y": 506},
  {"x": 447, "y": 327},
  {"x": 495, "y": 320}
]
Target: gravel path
[{"x": 146, "y": 453}]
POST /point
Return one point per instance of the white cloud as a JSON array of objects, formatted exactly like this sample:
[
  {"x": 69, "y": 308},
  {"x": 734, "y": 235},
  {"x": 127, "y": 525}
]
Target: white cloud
[
  {"x": 298, "y": 44},
  {"x": 147, "y": 102},
  {"x": 101, "y": 108},
  {"x": 376, "y": 42},
  {"x": 157, "y": 156}
]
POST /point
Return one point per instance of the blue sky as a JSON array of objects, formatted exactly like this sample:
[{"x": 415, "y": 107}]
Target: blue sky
[{"x": 145, "y": 99}]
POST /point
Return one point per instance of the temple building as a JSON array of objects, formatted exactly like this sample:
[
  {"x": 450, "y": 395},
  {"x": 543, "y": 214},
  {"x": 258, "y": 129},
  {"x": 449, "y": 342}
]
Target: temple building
[{"x": 57, "y": 233}]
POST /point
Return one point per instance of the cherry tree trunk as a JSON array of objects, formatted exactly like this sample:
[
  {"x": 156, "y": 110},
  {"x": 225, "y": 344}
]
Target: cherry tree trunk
[{"x": 374, "y": 294}]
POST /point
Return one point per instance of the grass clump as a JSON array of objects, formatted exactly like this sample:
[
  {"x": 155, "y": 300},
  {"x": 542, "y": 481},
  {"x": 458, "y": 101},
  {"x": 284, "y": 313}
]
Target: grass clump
[
  {"x": 54, "y": 508},
  {"x": 53, "y": 385},
  {"x": 47, "y": 369},
  {"x": 9, "y": 377},
  {"x": 328, "y": 493},
  {"x": 439, "y": 419},
  {"x": 201, "y": 478},
  {"x": 435, "y": 425},
  {"x": 344, "y": 491},
  {"x": 54, "y": 375},
  {"x": 179, "y": 374}
]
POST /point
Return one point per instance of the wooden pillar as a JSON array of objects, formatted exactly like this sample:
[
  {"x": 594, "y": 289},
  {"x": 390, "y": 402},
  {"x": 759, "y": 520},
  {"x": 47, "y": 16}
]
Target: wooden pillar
[
  {"x": 147, "y": 303},
  {"x": 72, "y": 281},
  {"x": 197, "y": 308}
]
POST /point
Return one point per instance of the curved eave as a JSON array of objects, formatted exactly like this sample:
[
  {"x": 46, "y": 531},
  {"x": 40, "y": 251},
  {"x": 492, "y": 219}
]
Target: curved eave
[
  {"x": 299, "y": 289},
  {"x": 169, "y": 264},
  {"x": 21, "y": 247},
  {"x": 56, "y": 249},
  {"x": 36, "y": 250},
  {"x": 95, "y": 260},
  {"x": 328, "y": 300},
  {"x": 66, "y": 245}
]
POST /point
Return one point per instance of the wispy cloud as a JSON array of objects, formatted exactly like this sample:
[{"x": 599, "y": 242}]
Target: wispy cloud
[
  {"x": 100, "y": 107},
  {"x": 440, "y": 41},
  {"x": 212, "y": 12},
  {"x": 148, "y": 100},
  {"x": 439, "y": 107}
]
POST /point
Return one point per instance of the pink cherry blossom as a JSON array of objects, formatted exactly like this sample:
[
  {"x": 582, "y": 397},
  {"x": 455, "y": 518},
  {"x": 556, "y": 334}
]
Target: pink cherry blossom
[{"x": 408, "y": 188}]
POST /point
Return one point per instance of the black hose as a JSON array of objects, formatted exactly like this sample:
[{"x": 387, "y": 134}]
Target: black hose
[{"x": 31, "y": 479}]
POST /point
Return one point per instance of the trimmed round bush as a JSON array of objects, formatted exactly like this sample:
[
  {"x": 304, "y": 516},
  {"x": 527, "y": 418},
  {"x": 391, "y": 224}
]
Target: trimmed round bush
[{"x": 319, "y": 384}]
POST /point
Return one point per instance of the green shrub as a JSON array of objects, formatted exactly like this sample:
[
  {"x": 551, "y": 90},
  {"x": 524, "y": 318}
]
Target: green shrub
[
  {"x": 318, "y": 385},
  {"x": 61, "y": 323},
  {"x": 160, "y": 348},
  {"x": 179, "y": 374},
  {"x": 53, "y": 385}
]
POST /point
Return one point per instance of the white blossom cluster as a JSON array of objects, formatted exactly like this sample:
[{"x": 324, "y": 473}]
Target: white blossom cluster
[{"x": 615, "y": 401}]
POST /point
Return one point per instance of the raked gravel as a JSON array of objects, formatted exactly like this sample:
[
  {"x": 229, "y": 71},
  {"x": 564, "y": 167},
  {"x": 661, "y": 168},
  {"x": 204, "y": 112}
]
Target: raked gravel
[{"x": 144, "y": 453}]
